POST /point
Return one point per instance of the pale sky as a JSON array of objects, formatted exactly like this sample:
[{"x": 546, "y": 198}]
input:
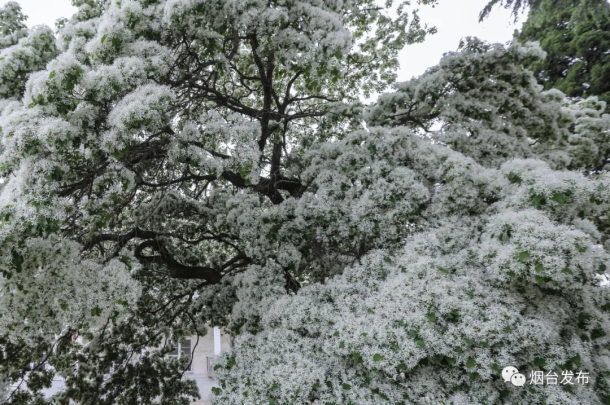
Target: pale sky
[{"x": 454, "y": 19}]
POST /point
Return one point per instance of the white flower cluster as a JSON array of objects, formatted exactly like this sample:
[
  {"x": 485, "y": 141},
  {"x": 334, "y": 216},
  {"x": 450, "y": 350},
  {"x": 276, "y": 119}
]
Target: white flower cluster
[
  {"x": 502, "y": 278},
  {"x": 51, "y": 288}
]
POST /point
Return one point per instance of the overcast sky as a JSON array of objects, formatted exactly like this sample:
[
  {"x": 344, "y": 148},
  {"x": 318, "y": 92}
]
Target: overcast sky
[{"x": 454, "y": 19}]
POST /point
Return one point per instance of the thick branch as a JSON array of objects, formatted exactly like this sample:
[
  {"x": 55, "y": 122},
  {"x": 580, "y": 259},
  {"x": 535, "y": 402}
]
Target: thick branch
[{"x": 176, "y": 269}]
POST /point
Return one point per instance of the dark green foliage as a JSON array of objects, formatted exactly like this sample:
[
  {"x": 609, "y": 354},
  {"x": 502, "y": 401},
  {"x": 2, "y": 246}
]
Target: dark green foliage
[
  {"x": 576, "y": 36},
  {"x": 517, "y": 6}
]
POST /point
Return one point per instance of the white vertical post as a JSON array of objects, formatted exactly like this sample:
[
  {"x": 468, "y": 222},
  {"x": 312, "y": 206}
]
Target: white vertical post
[{"x": 216, "y": 341}]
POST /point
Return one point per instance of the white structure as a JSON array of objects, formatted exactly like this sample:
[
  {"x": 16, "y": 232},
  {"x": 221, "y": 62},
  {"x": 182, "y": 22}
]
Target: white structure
[
  {"x": 203, "y": 350},
  {"x": 208, "y": 348}
]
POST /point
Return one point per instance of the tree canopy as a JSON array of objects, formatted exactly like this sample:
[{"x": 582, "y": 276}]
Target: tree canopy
[
  {"x": 519, "y": 6},
  {"x": 576, "y": 38},
  {"x": 167, "y": 165}
]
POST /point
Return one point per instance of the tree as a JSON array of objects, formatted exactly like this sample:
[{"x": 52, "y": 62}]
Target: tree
[
  {"x": 519, "y": 6},
  {"x": 137, "y": 160},
  {"x": 490, "y": 245},
  {"x": 181, "y": 163},
  {"x": 576, "y": 38},
  {"x": 12, "y": 24}
]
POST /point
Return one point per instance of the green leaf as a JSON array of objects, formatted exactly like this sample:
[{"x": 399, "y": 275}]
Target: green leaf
[
  {"x": 442, "y": 270},
  {"x": 538, "y": 200},
  {"x": 341, "y": 345},
  {"x": 346, "y": 386},
  {"x": 576, "y": 360},
  {"x": 377, "y": 357},
  {"x": 470, "y": 363},
  {"x": 216, "y": 390},
  {"x": 559, "y": 197},
  {"x": 567, "y": 270},
  {"x": 431, "y": 317},
  {"x": 506, "y": 234},
  {"x": 539, "y": 362},
  {"x": 121, "y": 154},
  {"x": 524, "y": 256},
  {"x": 64, "y": 306},
  {"x": 17, "y": 261},
  {"x": 514, "y": 178},
  {"x": 97, "y": 311},
  {"x": 357, "y": 357},
  {"x": 583, "y": 320},
  {"x": 597, "y": 333},
  {"x": 103, "y": 38},
  {"x": 539, "y": 268}
]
